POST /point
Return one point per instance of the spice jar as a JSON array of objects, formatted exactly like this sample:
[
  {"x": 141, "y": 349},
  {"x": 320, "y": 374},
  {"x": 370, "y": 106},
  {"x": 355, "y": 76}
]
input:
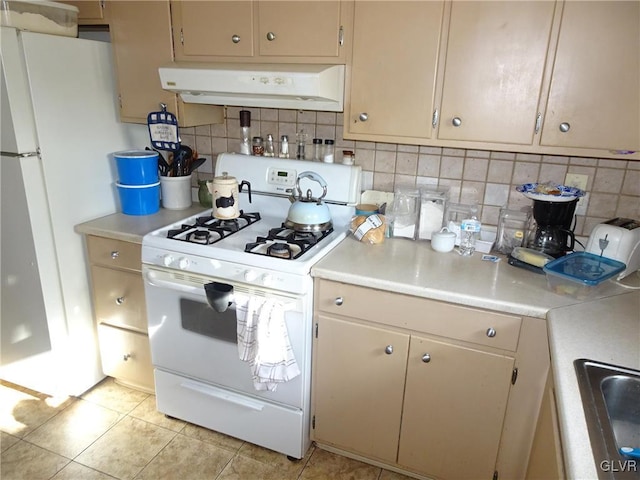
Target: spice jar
[
  {"x": 348, "y": 158},
  {"x": 317, "y": 149},
  {"x": 328, "y": 151},
  {"x": 258, "y": 146}
]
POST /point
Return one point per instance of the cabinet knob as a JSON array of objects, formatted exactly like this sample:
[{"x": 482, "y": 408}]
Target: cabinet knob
[
  {"x": 235, "y": 39},
  {"x": 339, "y": 301},
  {"x": 388, "y": 349},
  {"x": 564, "y": 127},
  {"x": 491, "y": 332},
  {"x": 456, "y": 121},
  {"x": 426, "y": 358},
  {"x": 363, "y": 117},
  {"x": 271, "y": 36},
  {"x": 115, "y": 254},
  {"x": 119, "y": 300},
  {"x": 126, "y": 356}
]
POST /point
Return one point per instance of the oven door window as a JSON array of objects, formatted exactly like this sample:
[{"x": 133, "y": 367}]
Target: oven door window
[{"x": 200, "y": 318}]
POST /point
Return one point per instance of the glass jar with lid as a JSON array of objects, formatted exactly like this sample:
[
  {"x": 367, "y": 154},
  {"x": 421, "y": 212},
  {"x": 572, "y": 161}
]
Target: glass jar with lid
[
  {"x": 455, "y": 213},
  {"x": 433, "y": 202},
  {"x": 513, "y": 228}
]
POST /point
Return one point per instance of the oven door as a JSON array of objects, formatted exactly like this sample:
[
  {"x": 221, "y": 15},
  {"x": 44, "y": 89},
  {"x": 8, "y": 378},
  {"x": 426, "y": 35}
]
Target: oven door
[{"x": 191, "y": 339}]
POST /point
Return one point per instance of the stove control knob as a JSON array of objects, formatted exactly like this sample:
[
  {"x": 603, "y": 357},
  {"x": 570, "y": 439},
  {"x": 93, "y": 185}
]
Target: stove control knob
[
  {"x": 167, "y": 260},
  {"x": 183, "y": 263},
  {"x": 267, "y": 279},
  {"x": 250, "y": 275}
]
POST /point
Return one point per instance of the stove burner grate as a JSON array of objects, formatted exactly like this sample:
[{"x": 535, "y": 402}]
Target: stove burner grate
[
  {"x": 209, "y": 230},
  {"x": 286, "y": 243}
]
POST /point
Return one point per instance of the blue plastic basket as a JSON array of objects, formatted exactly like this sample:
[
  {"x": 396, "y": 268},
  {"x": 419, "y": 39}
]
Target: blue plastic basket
[{"x": 139, "y": 199}]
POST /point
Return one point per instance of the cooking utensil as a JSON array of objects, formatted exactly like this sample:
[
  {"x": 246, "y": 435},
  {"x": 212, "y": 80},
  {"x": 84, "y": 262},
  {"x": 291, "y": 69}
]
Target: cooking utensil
[
  {"x": 308, "y": 214},
  {"x": 224, "y": 192},
  {"x": 163, "y": 165},
  {"x": 193, "y": 166}
]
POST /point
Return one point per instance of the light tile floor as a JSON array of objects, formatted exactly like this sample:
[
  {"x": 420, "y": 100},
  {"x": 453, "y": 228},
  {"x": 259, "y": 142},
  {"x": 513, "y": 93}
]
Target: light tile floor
[{"x": 115, "y": 432}]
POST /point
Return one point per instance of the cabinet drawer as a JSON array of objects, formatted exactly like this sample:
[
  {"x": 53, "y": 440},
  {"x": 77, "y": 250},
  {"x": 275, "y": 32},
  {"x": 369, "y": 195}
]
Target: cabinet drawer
[
  {"x": 126, "y": 356},
  {"x": 419, "y": 314},
  {"x": 114, "y": 253},
  {"x": 118, "y": 298}
]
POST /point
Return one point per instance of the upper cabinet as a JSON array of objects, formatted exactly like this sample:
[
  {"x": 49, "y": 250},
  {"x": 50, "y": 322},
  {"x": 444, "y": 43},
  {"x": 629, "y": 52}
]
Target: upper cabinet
[
  {"x": 141, "y": 38},
  {"x": 594, "y": 98},
  {"x": 91, "y": 12},
  {"x": 553, "y": 77},
  {"x": 392, "y": 80},
  {"x": 493, "y": 70},
  {"x": 261, "y": 31}
]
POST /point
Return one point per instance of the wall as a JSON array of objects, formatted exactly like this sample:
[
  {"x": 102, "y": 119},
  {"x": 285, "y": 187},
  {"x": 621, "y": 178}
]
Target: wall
[{"x": 486, "y": 177}]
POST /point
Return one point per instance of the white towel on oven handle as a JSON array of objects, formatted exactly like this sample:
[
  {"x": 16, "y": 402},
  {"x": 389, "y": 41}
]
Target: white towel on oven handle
[{"x": 263, "y": 341}]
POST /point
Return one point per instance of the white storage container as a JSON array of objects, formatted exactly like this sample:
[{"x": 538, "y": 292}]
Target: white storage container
[{"x": 40, "y": 16}]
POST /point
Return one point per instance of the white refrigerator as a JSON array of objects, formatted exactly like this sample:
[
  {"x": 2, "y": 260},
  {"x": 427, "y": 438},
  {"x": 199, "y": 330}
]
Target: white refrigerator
[{"x": 59, "y": 129}]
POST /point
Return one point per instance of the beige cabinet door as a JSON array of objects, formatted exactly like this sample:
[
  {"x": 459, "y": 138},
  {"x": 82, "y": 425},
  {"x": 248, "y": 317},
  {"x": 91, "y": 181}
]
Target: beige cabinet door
[
  {"x": 454, "y": 407},
  {"x": 594, "y": 98},
  {"x": 495, "y": 59},
  {"x": 393, "y": 72},
  {"x": 300, "y": 28},
  {"x": 212, "y": 29},
  {"x": 91, "y": 12},
  {"x": 358, "y": 377},
  {"x": 141, "y": 38}
]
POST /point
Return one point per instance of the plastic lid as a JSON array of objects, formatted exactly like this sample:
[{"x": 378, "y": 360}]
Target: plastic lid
[
  {"x": 317, "y": 141},
  {"x": 328, "y": 142},
  {"x": 585, "y": 268}
]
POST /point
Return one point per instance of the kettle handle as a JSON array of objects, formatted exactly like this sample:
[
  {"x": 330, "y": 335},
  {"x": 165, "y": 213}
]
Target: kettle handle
[
  {"x": 315, "y": 177},
  {"x": 244, "y": 182}
]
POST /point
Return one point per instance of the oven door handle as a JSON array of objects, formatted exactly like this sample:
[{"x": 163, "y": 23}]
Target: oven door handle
[
  {"x": 224, "y": 395},
  {"x": 154, "y": 279}
]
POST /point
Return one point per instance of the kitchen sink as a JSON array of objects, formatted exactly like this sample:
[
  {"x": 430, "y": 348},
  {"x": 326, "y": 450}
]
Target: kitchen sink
[{"x": 611, "y": 399}]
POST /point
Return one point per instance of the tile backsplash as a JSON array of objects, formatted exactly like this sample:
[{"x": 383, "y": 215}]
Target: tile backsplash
[{"x": 487, "y": 178}]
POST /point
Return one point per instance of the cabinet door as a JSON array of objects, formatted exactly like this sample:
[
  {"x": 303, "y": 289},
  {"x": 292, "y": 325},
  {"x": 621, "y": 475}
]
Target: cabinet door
[
  {"x": 220, "y": 28},
  {"x": 300, "y": 28},
  {"x": 358, "y": 377},
  {"x": 455, "y": 401},
  {"x": 395, "y": 53},
  {"x": 91, "y": 12},
  {"x": 141, "y": 38},
  {"x": 495, "y": 60},
  {"x": 594, "y": 96}
]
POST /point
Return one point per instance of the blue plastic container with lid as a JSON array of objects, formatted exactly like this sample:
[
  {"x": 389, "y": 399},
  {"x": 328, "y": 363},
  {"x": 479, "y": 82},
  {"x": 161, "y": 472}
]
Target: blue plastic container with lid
[
  {"x": 137, "y": 167},
  {"x": 580, "y": 274},
  {"x": 139, "y": 199}
]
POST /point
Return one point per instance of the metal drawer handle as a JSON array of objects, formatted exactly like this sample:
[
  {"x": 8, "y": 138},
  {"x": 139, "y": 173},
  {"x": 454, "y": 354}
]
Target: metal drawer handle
[
  {"x": 491, "y": 332},
  {"x": 339, "y": 301},
  {"x": 115, "y": 254},
  {"x": 235, "y": 39},
  {"x": 119, "y": 300},
  {"x": 271, "y": 36},
  {"x": 126, "y": 356},
  {"x": 456, "y": 121},
  {"x": 388, "y": 349},
  {"x": 426, "y": 358}
]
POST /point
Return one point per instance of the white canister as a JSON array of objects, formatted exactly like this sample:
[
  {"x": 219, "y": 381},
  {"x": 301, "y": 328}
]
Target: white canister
[
  {"x": 224, "y": 195},
  {"x": 175, "y": 192}
]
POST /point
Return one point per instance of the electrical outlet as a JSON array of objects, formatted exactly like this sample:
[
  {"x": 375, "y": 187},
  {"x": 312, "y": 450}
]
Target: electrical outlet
[
  {"x": 581, "y": 206},
  {"x": 576, "y": 180}
]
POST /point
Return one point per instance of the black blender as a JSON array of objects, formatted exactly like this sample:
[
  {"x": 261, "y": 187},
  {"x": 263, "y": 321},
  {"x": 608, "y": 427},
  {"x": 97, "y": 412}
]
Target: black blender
[{"x": 553, "y": 211}]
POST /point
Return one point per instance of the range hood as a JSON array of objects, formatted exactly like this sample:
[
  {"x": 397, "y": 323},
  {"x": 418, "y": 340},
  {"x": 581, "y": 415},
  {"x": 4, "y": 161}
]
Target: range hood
[{"x": 295, "y": 86}]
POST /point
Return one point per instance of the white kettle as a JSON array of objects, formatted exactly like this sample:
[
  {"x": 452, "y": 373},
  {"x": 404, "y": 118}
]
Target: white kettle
[{"x": 308, "y": 214}]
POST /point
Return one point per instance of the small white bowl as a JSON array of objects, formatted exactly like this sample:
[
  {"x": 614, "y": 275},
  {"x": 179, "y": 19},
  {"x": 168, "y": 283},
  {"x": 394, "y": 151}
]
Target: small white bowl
[{"x": 443, "y": 240}]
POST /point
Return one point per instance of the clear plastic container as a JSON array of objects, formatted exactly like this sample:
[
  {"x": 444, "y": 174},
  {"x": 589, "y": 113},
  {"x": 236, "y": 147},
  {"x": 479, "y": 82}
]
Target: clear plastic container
[
  {"x": 455, "y": 213},
  {"x": 433, "y": 203},
  {"x": 404, "y": 211},
  {"x": 40, "y": 16},
  {"x": 581, "y": 275},
  {"x": 469, "y": 232}
]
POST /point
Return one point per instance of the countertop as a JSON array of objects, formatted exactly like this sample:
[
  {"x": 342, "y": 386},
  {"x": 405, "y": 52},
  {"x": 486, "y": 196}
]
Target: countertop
[
  {"x": 131, "y": 228},
  {"x": 413, "y": 268},
  {"x": 605, "y": 328}
]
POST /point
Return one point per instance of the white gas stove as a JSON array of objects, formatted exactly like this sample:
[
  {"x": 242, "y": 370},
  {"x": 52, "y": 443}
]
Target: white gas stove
[{"x": 199, "y": 376}]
